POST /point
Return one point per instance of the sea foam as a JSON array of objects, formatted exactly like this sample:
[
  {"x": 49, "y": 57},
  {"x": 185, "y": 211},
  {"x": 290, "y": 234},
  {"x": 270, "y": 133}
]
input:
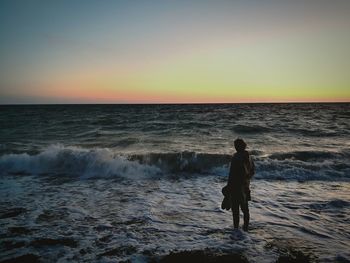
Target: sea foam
[
  {"x": 107, "y": 163},
  {"x": 75, "y": 161}
]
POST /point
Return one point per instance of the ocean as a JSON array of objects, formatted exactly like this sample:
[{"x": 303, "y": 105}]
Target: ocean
[{"x": 110, "y": 183}]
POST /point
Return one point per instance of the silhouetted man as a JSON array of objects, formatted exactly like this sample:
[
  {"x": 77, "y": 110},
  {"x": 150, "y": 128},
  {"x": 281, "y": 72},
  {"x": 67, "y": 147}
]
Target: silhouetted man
[{"x": 241, "y": 171}]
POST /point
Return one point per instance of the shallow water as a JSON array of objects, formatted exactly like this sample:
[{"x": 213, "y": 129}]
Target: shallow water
[
  {"x": 132, "y": 219},
  {"x": 109, "y": 183}
]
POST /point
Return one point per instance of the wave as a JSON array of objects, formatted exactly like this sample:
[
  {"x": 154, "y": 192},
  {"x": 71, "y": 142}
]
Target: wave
[
  {"x": 309, "y": 155},
  {"x": 314, "y": 132},
  {"x": 106, "y": 163},
  {"x": 75, "y": 161},
  {"x": 190, "y": 162},
  {"x": 302, "y": 171},
  {"x": 239, "y": 128}
]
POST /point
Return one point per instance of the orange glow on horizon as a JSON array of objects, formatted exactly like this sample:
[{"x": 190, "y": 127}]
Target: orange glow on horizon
[{"x": 82, "y": 94}]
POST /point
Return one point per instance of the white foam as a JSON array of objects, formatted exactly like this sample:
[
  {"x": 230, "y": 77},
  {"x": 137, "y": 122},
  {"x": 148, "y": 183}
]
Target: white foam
[
  {"x": 75, "y": 161},
  {"x": 105, "y": 163}
]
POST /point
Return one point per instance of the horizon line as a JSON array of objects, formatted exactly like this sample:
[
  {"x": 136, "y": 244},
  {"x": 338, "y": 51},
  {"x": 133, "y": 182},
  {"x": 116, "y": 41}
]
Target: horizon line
[{"x": 175, "y": 103}]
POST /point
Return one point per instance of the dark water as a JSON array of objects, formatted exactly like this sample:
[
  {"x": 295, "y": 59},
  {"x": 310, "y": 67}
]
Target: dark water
[
  {"x": 295, "y": 141},
  {"x": 122, "y": 182}
]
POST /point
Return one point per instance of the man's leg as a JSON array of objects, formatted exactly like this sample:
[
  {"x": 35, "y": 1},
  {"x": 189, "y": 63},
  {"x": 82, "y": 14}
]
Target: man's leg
[
  {"x": 245, "y": 210},
  {"x": 235, "y": 213}
]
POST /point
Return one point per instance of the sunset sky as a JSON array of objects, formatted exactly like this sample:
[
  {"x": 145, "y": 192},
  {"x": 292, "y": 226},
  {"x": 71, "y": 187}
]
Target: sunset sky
[{"x": 174, "y": 51}]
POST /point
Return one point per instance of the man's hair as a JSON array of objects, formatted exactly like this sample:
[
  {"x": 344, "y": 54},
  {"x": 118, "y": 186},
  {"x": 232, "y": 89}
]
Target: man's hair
[{"x": 240, "y": 145}]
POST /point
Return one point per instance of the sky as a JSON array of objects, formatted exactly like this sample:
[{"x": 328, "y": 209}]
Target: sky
[{"x": 134, "y": 51}]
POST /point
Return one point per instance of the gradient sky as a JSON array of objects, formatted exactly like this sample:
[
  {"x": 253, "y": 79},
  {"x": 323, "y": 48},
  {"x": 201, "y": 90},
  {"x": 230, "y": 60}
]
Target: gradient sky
[{"x": 174, "y": 51}]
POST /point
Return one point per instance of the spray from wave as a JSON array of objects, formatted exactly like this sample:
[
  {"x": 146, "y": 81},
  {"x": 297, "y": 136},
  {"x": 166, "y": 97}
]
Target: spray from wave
[{"x": 75, "y": 161}]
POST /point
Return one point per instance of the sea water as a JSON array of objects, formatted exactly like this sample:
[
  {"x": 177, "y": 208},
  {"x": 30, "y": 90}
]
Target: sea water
[{"x": 109, "y": 183}]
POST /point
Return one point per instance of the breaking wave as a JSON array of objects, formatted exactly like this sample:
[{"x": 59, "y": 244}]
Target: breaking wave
[
  {"x": 105, "y": 163},
  {"x": 74, "y": 161}
]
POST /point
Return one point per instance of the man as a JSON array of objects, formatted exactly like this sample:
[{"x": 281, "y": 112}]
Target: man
[{"x": 241, "y": 171}]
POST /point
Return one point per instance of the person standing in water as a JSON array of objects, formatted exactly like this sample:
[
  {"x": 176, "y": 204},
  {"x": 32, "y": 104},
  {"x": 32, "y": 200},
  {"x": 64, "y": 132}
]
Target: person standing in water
[{"x": 242, "y": 170}]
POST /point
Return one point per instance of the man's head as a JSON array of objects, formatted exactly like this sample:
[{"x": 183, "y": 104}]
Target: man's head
[{"x": 240, "y": 145}]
